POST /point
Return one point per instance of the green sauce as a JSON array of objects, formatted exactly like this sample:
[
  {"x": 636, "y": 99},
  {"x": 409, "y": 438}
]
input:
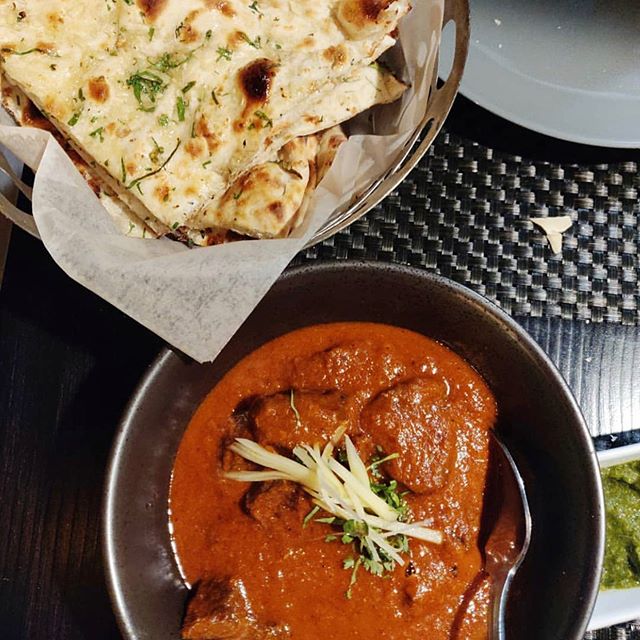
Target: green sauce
[{"x": 622, "y": 497}]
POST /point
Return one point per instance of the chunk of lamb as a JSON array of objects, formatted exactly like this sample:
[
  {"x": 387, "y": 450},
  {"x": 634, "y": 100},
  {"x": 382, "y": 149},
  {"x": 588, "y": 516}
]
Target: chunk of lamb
[
  {"x": 406, "y": 419},
  {"x": 267, "y": 502},
  {"x": 277, "y": 425},
  {"x": 219, "y": 609},
  {"x": 348, "y": 367},
  {"x": 239, "y": 425}
]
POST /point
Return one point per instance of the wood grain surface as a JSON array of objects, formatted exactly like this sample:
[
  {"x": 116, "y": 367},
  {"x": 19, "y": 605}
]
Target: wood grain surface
[
  {"x": 5, "y": 236},
  {"x": 601, "y": 363},
  {"x": 68, "y": 363}
]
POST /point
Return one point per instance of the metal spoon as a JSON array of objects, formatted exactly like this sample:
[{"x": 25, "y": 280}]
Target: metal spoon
[{"x": 508, "y": 538}]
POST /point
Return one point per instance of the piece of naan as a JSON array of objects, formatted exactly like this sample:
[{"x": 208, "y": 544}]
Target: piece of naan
[
  {"x": 266, "y": 202},
  {"x": 172, "y": 103}
]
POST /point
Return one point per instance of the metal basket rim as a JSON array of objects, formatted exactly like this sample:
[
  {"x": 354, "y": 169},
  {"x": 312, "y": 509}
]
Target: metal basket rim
[{"x": 441, "y": 100}]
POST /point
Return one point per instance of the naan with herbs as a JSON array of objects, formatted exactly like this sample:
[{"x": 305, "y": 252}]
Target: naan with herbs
[{"x": 198, "y": 118}]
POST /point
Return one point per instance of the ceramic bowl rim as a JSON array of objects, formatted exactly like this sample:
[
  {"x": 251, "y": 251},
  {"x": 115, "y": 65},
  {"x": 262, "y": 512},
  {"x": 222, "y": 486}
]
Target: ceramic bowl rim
[{"x": 456, "y": 289}]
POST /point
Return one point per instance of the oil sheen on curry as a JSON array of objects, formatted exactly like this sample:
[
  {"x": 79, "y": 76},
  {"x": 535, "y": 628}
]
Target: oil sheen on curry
[{"x": 273, "y": 518}]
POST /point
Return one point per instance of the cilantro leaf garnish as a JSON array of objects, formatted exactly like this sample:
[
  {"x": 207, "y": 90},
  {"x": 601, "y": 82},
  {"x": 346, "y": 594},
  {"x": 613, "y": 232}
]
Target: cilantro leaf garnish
[
  {"x": 265, "y": 118},
  {"x": 136, "y": 181},
  {"x": 74, "y": 118},
  {"x": 254, "y": 7},
  {"x": 180, "y": 108},
  {"x": 23, "y": 53},
  {"x": 256, "y": 44},
  {"x": 168, "y": 61},
  {"x": 147, "y": 86},
  {"x": 223, "y": 52},
  {"x": 98, "y": 133}
]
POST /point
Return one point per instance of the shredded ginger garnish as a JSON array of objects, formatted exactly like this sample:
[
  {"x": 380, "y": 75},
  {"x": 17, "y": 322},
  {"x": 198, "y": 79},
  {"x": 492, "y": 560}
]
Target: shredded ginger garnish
[{"x": 343, "y": 492}]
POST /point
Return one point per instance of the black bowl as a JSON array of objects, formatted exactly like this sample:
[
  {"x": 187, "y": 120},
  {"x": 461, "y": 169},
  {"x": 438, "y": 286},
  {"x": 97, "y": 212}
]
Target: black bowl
[{"x": 555, "y": 589}]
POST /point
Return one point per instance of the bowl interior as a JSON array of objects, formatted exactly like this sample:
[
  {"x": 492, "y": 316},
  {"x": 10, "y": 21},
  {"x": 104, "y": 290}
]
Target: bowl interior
[{"x": 554, "y": 590}]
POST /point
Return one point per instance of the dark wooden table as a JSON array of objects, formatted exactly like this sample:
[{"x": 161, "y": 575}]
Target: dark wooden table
[{"x": 69, "y": 362}]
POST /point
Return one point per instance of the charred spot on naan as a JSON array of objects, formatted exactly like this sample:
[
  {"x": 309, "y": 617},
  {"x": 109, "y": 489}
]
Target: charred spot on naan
[
  {"x": 151, "y": 9},
  {"x": 9, "y": 48},
  {"x": 196, "y": 147},
  {"x": 256, "y": 80},
  {"x": 98, "y": 89},
  {"x": 55, "y": 20},
  {"x": 32, "y": 117},
  {"x": 162, "y": 191},
  {"x": 337, "y": 55},
  {"x": 186, "y": 31},
  {"x": 202, "y": 130},
  {"x": 308, "y": 42},
  {"x": 222, "y": 6},
  {"x": 361, "y": 18}
]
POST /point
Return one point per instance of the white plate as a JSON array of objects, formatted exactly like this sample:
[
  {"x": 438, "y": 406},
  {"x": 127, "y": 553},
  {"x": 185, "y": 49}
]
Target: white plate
[
  {"x": 566, "y": 68},
  {"x": 617, "y": 605}
]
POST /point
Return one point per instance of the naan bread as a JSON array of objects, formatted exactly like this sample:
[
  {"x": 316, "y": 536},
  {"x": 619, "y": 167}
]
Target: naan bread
[
  {"x": 329, "y": 142},
  {"x": 24, "y": 112},
  {"x": 266, "y": 202},
  {"x": 371, "y": 85},
  {"x": 263, "y": 190},
  {"x": 173, "y": 103}
]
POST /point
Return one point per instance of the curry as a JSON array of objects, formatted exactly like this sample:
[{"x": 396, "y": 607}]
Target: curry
[{"x": 264, "y": 560}]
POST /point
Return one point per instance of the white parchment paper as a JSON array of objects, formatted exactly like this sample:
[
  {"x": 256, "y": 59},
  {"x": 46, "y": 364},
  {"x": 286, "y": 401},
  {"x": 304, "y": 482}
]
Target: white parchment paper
[{"x": 196, "y": 299}]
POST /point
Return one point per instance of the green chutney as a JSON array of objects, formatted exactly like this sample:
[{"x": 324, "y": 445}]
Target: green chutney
[{"x": 622, "y": 497}]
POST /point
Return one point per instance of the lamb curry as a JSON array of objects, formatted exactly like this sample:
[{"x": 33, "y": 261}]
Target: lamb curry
[{"x": 267, "y": 557}]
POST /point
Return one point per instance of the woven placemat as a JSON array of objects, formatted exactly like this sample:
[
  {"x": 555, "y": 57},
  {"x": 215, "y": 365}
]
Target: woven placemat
[
  {"x": 620, "y": 632},
  {"x": 464, "y": 212}
]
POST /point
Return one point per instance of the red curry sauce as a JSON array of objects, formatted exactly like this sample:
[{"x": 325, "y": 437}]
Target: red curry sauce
[{"x": 264, "y": 573}]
